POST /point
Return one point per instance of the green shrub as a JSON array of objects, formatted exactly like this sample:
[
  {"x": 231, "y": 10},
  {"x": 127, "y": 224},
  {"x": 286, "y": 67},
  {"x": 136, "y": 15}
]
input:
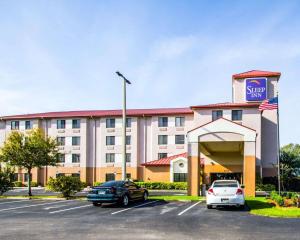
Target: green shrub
[
  {"x": 6, "y": 180},
  {"x": 265, "y": 187},
  {"x": 97, "y": 184},
  {"x": 163, "y": 185},
  {"x": 18, "y": 184},
  {"x": 32, "y": 184},
  {"x": 277, "y": 198},
  {"x": 67, "y": 185}
]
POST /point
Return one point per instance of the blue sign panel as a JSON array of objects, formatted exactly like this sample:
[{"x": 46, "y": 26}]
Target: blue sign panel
[{"x": 256, "y": 89}]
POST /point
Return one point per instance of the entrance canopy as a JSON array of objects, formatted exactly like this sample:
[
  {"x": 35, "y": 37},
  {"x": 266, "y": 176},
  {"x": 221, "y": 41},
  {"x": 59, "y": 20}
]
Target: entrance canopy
[{"x": 228, "y": 147}]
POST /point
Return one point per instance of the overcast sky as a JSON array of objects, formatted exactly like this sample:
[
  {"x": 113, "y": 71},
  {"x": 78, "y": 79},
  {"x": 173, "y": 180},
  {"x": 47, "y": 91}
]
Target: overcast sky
[{"x": 62, "y": 55}]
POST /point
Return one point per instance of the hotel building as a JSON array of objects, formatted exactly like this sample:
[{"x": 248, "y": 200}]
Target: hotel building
[{"x": 197, "y": 144}]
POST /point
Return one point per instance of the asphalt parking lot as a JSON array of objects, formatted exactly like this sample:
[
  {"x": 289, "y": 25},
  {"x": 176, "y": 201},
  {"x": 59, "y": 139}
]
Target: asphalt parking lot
[{"x": 75, "y": 219}]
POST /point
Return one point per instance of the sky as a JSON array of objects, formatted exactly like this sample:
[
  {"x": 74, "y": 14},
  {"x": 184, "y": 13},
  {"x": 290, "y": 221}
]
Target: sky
[{"x": 62, "y": 55}]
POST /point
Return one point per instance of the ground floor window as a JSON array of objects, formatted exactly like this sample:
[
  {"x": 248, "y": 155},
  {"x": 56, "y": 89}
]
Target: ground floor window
[
  {"x": 26, "y": 177},
  {"x": 109, "y": 177},
  {"x": 180, "y": 177},
  {"x": 128, "y": 175},
  {"x": 15, "y": 177},
  {"x": 76, "y": 175},
  {"x": 60, "y": 175}
]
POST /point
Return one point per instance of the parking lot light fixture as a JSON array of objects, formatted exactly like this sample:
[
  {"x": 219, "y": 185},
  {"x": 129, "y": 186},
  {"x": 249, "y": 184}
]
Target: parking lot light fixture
[{"x": 125, "y": 81}]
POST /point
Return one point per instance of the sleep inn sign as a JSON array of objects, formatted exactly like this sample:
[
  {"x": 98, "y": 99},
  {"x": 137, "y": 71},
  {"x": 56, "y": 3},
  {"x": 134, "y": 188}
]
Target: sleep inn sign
[{"x": 256, "y": 89}]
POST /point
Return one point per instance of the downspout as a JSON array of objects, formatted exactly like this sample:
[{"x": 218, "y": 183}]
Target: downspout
[{"x": 95, "y": 150}]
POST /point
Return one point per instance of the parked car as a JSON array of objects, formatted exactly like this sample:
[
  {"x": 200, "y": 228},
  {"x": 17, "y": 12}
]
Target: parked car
[
  {"x": 121, "y": 192},
  {"x": 225, "y": 193}
]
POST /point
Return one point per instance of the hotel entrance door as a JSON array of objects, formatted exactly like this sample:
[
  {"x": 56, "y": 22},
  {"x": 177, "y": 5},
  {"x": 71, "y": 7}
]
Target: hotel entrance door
[{"x": 226, "y": 176}]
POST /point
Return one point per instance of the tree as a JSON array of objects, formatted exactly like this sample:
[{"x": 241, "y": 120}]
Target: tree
[
  {"x": 6, "y": 179},
  {"x": 28, "y": 151},
  {"x": 67, "y": 185},
  {"x": 289, "y": 163}
]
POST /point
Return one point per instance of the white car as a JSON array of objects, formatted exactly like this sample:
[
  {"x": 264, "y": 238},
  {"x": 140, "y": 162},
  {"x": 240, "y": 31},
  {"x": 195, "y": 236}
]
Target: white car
[{"x": 225, "y": 193}]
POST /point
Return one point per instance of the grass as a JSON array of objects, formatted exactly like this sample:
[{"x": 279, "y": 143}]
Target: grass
[
  {"x": 176, "y": 198},
  {"x": 261, "y": 206}
]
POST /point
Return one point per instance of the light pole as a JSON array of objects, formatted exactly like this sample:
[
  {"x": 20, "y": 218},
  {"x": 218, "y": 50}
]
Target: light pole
[{"x": 124, "y": 126}]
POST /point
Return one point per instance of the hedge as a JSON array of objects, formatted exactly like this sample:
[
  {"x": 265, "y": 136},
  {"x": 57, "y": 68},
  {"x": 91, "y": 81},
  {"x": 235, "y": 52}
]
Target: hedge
[
  {"x": 163, "y": 185},
  {"x": 158, "y": 185}
]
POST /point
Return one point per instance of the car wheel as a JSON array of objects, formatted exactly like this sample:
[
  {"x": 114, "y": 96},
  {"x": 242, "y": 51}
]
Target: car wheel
[
  {"x": 96, "y": 204},
  {"x": 209, "y": 206},
  {"x": 125, "y": 201},
  {"x": 145, "y": 196}
]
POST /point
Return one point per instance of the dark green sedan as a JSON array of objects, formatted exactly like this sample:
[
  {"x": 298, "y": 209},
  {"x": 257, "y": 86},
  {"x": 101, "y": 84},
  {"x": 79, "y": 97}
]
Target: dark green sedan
[{"x": 121, "y": 192}]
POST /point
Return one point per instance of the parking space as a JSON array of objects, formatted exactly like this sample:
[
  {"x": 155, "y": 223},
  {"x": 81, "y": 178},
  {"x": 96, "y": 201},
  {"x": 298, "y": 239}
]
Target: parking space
[{"x": 76, "y": 219}]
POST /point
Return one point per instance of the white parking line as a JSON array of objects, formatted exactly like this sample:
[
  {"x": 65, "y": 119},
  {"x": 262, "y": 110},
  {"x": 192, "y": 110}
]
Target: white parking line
[
  {"x": 27, "y": 206},
  {"x": 68, "y": 209},
  {"x": 185, "y": 210},
  {"x": 126, "y": 209},
  {"x": 14, "y": 201}
]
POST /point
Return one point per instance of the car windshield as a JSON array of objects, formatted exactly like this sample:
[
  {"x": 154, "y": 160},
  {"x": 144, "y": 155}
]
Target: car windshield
[
  {"x": 112, "y": 184},
  {"x": 225, "y": 184}
]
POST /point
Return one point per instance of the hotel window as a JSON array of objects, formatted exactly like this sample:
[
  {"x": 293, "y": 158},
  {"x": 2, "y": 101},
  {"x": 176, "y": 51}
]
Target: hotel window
[
  {"x": 75, "y": 158},
  {"x": 179, "y": 121},
  {"x": 28, "y": 125},
  {"x": 162, "y": 139},
  {"x": 61, "y": 124},
  {"x": 162, "y": 155},
  {"x": 15, "y": 177},
  {"x": 14, "y": 125},
  {"x": 59, "y": 175},
  {"x": 179, "y": 139},
  {"x": 75, "y": 141},
  {"x": 236, "y": 115},
  {"x": 128, "y": 122},
  {"x": 110, "y": 157},
  {"x": 76, "y": 175},
  {"x": 26, "y": 177},
  {"x": 163, "y": 121},
  {"x": 110, "y": 140},
  {"x": 109, "y": 177},
  {"x": 61, "y": 158},
  {"x": 61, "y": 141},
  {"x": 110, "y": 123},
  {"x": 128, "y": 140},
  {"x": 128, "y": 157},
  {"x": 216, "y": 114},
  {"x": 180, "y": 177},
  {"x": 76, "y": 123}
]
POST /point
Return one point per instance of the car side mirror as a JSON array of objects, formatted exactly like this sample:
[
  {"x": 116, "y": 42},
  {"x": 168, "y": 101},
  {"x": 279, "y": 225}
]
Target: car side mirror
[{"x": 242, "y": 186}]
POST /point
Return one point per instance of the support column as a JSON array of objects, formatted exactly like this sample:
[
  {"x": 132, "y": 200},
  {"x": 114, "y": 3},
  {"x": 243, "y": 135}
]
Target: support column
[
  {"x": 249, "y": 168},
  {"x": 193, "y": 169}
]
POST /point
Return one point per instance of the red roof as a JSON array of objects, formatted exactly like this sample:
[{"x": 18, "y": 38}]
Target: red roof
[
  {"x": 256, "y": 73},
  {"x": 164, "y": 161},
  {"x": 227, "y": 105},
  {"x": 102, "y": 113}
]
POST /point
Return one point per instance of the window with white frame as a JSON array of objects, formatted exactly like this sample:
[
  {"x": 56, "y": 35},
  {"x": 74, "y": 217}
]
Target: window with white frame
[
  {"x": 76, "y": 123},
  {"x": 75, "y": 141},
  {"x": 61, "y": 158},
  {"x": 110, "y": 140},
  {"x": 216, "y": 114},
  {"x": 61, "y": 141},
  {"x": 162, "y": 155},
  {"x": 179, "y": 121},
  {"x": 128, "y": 157},
  {"x": 179, "y": 139},
  {"x": 128, "y": 140},
  {"x": 61, "y": 124},
  {"x": 163, "y": 121},
  {"x": 28, "y": 125},
  {"x": 75, "y": 158},
  {"x": 110, "y": 157},
  {"x": 236, "y": 115},
  {"x": 110, "y": 123},
  {"x": 162, "y": 139},
  {"x": 128, "y": 122},
  {"x": 14, "y": 125}
]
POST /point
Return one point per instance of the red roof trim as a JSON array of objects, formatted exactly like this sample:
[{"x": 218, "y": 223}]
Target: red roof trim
[
  {"x": 256, "y": 73},
  {"x": 164, "y": 161},
  {"x": 103, "y": 113},
  {"x": 219, "y": 119},
  {"x": 227, "y": 105}
]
